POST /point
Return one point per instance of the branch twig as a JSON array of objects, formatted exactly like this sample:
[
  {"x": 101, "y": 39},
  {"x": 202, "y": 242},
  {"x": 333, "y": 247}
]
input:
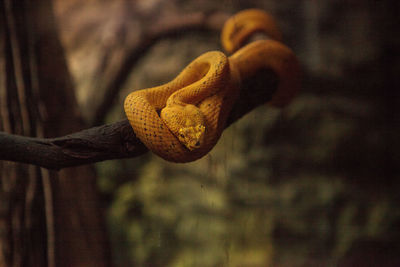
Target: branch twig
[{"x": 116, "y": 140}]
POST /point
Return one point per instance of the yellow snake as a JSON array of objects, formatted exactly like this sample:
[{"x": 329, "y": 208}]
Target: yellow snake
[{"x": 182, "y": 120}]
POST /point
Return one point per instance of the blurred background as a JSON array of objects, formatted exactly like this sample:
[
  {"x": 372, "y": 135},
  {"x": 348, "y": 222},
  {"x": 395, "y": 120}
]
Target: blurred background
[{"x": 314, "y": 184}]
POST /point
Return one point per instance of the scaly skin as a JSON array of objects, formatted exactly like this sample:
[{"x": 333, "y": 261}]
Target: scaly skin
[{"x": 182, "y": 120}]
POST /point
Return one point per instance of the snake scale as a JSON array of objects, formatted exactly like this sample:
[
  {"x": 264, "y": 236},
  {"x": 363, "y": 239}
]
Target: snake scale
[{"x": 182, "y": 120}]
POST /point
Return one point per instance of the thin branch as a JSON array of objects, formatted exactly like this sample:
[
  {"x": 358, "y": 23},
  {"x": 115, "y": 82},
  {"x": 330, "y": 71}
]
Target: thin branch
[
  {"x": 116, "y": 140},
  {"x": 112, "y": 141},
  {"x": 165, "y": 28}
]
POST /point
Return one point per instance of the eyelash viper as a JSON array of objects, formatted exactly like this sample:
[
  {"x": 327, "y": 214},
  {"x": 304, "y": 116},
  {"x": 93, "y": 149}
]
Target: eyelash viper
[{"x": 182, "y": 120}]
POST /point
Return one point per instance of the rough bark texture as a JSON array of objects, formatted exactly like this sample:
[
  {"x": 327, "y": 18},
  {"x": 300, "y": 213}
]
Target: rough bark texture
[{"x": 46, "y": 218}]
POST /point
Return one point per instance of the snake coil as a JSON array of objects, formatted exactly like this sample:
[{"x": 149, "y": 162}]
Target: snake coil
[{"x": 182, "y": 120}]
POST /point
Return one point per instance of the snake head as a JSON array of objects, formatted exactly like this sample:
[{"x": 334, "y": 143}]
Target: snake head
[
  {"x": 187, "y": 123},
  {"x": 192, "y": 136}
]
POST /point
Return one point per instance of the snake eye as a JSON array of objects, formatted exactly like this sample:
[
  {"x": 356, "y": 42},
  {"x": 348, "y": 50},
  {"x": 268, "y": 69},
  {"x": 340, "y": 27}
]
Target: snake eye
[{"x": 181, "y": 135}]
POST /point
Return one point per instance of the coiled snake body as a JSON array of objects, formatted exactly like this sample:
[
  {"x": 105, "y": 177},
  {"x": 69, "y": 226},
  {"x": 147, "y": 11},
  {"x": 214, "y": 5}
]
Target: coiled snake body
[{"x": 182, "y": 120}]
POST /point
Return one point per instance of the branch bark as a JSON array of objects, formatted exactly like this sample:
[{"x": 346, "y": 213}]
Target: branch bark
[{"x": 116, "y": 140}]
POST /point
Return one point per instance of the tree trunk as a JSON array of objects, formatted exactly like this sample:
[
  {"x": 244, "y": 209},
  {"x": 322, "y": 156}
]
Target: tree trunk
[{"x": 47, "y": 218}]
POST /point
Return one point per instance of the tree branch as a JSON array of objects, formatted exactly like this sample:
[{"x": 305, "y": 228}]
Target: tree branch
[
  {"x": 116, "y": 140},
  {"x": 112, "y": 141}
]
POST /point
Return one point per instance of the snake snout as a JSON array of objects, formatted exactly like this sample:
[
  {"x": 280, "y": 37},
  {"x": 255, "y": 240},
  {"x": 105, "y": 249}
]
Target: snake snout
[{"x": 192, "y": 137}]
